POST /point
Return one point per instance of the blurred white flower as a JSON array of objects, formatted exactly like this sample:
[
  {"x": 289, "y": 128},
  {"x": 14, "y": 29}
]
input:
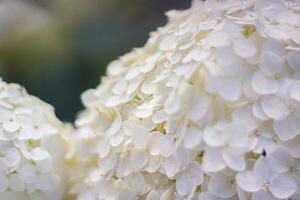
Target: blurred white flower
[
  {"x": 32, "y": 147},
  {"x": 208, "y": 109}
]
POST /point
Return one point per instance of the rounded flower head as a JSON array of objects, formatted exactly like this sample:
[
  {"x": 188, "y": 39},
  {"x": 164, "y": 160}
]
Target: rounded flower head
[
  {"x": 209, "y": 108},
  {"x": 31, "y": 147}
]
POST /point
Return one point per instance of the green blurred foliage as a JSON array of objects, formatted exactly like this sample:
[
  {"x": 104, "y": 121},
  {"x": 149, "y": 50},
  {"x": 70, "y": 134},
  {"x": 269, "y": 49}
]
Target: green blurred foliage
[{"x": 59, "y": 48}]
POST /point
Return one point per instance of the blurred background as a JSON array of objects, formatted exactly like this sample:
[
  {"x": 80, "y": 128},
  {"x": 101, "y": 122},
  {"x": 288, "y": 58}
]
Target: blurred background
[{"x": 59, "y": 48}]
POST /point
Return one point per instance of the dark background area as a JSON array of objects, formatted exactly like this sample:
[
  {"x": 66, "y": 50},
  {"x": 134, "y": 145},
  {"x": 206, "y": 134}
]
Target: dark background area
[{"x": 59, "y": 48}]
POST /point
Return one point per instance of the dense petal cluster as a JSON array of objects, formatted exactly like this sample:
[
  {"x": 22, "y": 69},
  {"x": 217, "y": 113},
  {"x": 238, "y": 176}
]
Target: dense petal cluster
[
  {"x": 31, "y": 147},
  {"x": 208, "y": 109}
]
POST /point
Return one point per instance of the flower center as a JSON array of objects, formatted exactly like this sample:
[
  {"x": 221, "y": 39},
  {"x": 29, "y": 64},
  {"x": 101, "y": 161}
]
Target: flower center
[
  {"x": 292, "y": 169},
  {"x": 275, "y": 138},
  {"x": 265, "y": 185},
  {"x": 257, "y": 133}
]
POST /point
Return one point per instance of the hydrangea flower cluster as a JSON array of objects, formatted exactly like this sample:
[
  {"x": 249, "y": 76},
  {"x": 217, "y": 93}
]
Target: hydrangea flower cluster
[
  {"x": 208, "y": 109},
  {"x": 32, "y": 148}
]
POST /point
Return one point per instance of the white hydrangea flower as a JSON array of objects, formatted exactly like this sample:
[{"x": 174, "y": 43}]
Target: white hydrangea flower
[
  {"x": 32, "y": 148},
  {"x": 266, "y": 183},
  {"x": 208, "y": 109}
]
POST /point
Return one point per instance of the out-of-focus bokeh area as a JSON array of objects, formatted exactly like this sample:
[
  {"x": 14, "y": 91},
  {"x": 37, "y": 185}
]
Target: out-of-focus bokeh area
[{"x": 59, "y": 48}]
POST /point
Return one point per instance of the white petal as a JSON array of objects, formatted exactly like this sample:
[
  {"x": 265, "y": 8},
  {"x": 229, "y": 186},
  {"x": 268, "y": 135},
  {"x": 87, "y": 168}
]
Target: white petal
[
  {"x": 192, "y": 137},
  {"x": 48, "y": 129},
  {"x": 109, "y": 162},
  {"x": 293, "y": 146},
  {"x": 148, "y": 87},
  {"x": 199, "y": 110},
  {"x": 125, "y": 194},
  {"x": 5, "y": 114},
  {"x": 136, "y": 182},
  {"x": 39, "y": 154},
  {"x": 138, "y": 158},
  {"x": 3, "y": 183},
  {"x": 168, "y": 42},
  {"x": 194, "y": 172},
  {"x": 196, "y": 54},
  {"x": 245, "y": 120},
  {"x": 213, "y": 161},
  {"x": 295, "y": 91},
  {"x": 226, "y": 57},
  {"x": 148, "y": 124},
  {"x": 27, "y": 173},
  {"x": 117, "y": 139},
  {"x": 16, "y": 183},
  {"x": 115, "y": 125},
  {"x": 293, "y": 59},
  {"x": 287, "y": 128},
  {"x": 209, "y": 83},
  {"x": 272, "y": 58},
  {"x": 11, "y": 126},
  {"x": 183, "y": 156},
  {"x": 216, "y": 39},
  {"x": 248, "y": 89},
  {"x": 167, "y": 146},
  {"x": 153, "y": 195},
  {"x": 208, "y": 196},
  {"x": 280, "y": 160},
  {"x": 235, "y": 134},
  {"x": 88, "y": 98},
  {"x": 262, "y": 169},
  {"x": 262, "y": 195},
  {"x": 247, "y": 181},
  {"x": 44, "y": 166},
  {"x": 155, "y": 137},
  {"x": 172, "y": 103},
  {"x": 143, "y": 113},
  {"x": 103, "y": 148},
  {"x": 153, "y": 164},
  {"x": 220, "y": 186},
  {"x": 244, "y": 47},
  {"x": 43, "y": 182},
  {"x": 263, "y": 84},
  {"x": 3, "y": 166},
  {"x": 283, "y": 186},
  {"x": 234, "y": 160},
  {"x": 159, "y": 116},
  {"x": 25, "y": 134},
  {"x": 170, "y": 167},
  {"x": 85, "y": 118},
  {"x": 229, "y": 89},
  {"x": 212, "y": 137},
  {"x": 241, "y": 194},
  {"x": 184, "y": 186},
  {"x": 274, "y": 107},
  {"x": 119, "y": 87},
  {"x": 140, "y": 137},
  {"x": 134, "y": 84},
  {"x": 115, "y": 68},
  {"x": 123, "y": 166},
  {"x": 12, "y": 157},
  {"x": 185, "y": 70},
  {"x": 258, "y": 112},
  {"x": 5, "y": 135},
  {"x": 295, "y": 35}
]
